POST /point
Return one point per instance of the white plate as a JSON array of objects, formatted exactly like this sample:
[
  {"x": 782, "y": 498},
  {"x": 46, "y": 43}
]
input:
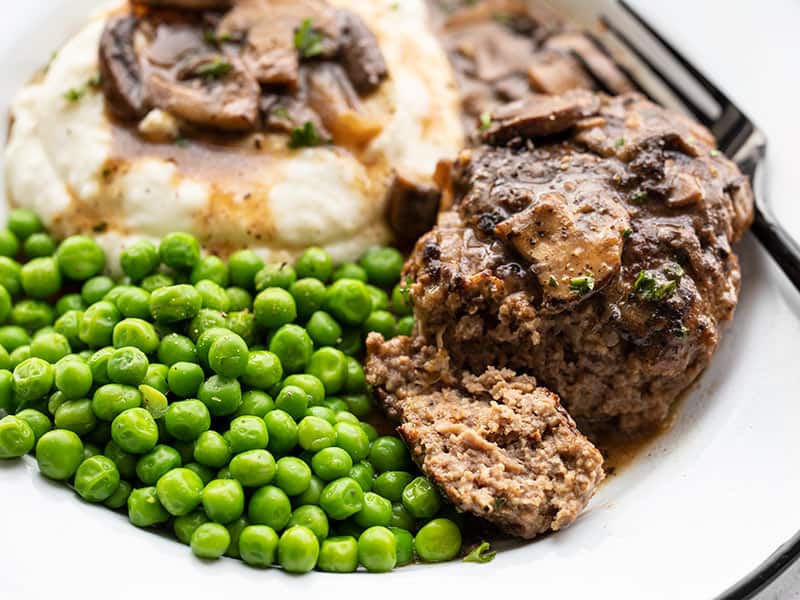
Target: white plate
[{"x": 707, "y": 504}]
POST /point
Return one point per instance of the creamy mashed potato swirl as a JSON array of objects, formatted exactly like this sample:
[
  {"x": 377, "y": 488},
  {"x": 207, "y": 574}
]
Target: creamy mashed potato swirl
[{"x": 67, "y": 160}]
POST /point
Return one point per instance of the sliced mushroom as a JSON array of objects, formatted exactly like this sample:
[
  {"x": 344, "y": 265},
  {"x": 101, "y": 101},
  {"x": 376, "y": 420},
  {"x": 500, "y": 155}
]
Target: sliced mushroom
[
  {"x": 188, "y": 4},
  {"x": 555, "y": 72},
  {"x": 269, "y": 27},
  {"x": 332, "y": 97},
  {"x": 284, "y": 114},
  {"x": 594, "y": 59},
  {"x": 360, "y": 54},
  {"x": 207, "y": 94},
  {"x": 121, "y": 69},
  {"x": 411, "y": 209},
  {"x": 539, "y": 116}
]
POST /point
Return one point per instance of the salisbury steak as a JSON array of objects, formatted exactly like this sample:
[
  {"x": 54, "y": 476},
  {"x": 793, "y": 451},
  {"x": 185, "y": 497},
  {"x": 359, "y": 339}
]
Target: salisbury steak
[
  {"x": 592, "y": 250},
  {"x": 497, "y": 446}
]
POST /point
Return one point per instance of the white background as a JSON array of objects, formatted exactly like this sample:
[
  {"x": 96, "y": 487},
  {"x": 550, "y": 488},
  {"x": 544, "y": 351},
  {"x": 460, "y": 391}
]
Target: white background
[{"x": 709, "y": 502}]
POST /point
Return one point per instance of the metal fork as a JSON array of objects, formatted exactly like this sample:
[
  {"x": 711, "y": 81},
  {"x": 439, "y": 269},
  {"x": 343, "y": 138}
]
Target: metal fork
[{"x": 664, "y": 75}]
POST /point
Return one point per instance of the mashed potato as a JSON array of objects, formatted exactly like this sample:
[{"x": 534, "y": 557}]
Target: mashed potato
[{"x": 66, "y": 159}]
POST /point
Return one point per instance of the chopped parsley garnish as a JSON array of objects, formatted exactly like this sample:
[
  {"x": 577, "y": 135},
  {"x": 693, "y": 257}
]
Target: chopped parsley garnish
[
  {"x": 306, "y": 136},
  {"x": 486, "y": 121},
  {"x": 626, "y": 233},
  {"x": 216, "y": 69},
  {"x": 394, "y": 6},
  {"x": 656, "y": 286},
  {"x": 552, "y": 282},
  {"x": 281, "y": 113},
  {"x": 639, "y": 197},
  {"x": 53, "y": 56},
  {"x": 74, "y": 94},
  {"x": 499, "y": 503},
  {"x": 307, "y": 40},
  {"x": 620, "y": 142},
  {"x": 681, "y": 332},
  {"x": 95, "y": 81},
  {"x": 481, "y": 554},
  {"x": 581, "y": 285},
  {"x": 212, "y": 38}
]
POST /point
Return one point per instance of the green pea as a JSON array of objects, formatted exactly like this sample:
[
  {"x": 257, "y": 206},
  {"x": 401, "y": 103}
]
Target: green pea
[
  {"x": 255, "y": 403},
  {"x": 179, "y": 251},
  {"x": 213, "y": 295},
  {"x": 175, "y": 348},
  {"x": 263, "y": 371},
  {"x": 153, "y": 401},
  {"x": 139, "y": 260},
  {"x": 206, "y": 339},
  {"x": 401, "y": 300},
  {"x": 292, "y": 475},
  {"x": 145, "y": 509},
  {"x": 239, "y": 299},
  {"x": 274, "y": 307},
  {"x": 312, "y": 517},
  {"x": 40, "y": 277},
  {"x": 77, "y": 416},
  {"x": 80, "y": 258},
  {"x": 282, "y": 432},
  {"x": 97, "y": 324},
  {"x": 309, "y": 296},
  {"x": 16, "y": 437},
  {"x": 359, "y": 404},
  {"x": 293, "y": 347},
  {"x": 23, "y": 223},
  {"x": 312, "y": 493},
  {"x": 377, "y": 510},
  {"x": 270, "y": 506},
  {"x": 223, "y": 500},
  {"x": 175, "y": 303},
  {"x": 9, "y": 244},
  {"x": 258, "y": 545},
  {"x": 243, "y": 266},
  {"x": 389, "y": 454},
  {"x": 10, "y": 275},
  {"x": 355, "y": 381},
  {"x": 377, "y": 549},
  {"x": 315, "y": 434},
  {"x": 310, "y": 384},
  {"x": 243, "y": 324},
  {"x": 405, "y": 545},
  {"x": 391, "y": 484},
  {"x": 120, "y": 496},
  {"x": 221, "y": 395},
  {"x": 339, "y": 555},
  {"x": 96, "y": 288},
  {"x": 349, "y": 301},
  {"x": 329, "y": 365},
  {"x": 180, "y": 491},
  {"x": 383, "y": 266},
  {"x": 205, "y": 473},
  {"x": 379, "y": 298},
  {"x": 211, "y": 268},
  {"x": 253, "y": 468},
  {"x": 292, "y": 400},
  {"x": 247, "y": 433},
  {"x": 151, "y": 283},
  {"x": 19, "y": 356},
  {"x": 51, "y": 347},
  {"x": 32, "y": 379},
  {"x": 32, "y": 314},
  {"x": 96, "y": 479},
  {"x": 349, "y": 271},
  {"x": 156, "y": 463},
  {"x": 69, "y": 302},
  {"x": 342, "y": 498},
  {"x": 212, "y": 450},
  {"x": 405, "y": 326},
  {"x": 59, "y": 453},
  {"x": 323, "y": 329},
  {"x": 37, "y": 421},
  {"x": 298, "y": 549},
  {"x": 323, "y": 412},
  {"x": 39, "y": 245},
  {"x": 136, "y": 333},
  {"x": 235, "y": 530},
  {"x": 13, "y": 337},
  {"x": 5, "y": 359},
  {"x": 228, "y": 355},
  {"x": 363, "y": 473},
  {"x": 157, "y": 377},
  {"x": 111, "y": 400},
  {"x": 134, "y": 431},
  {"x": 98, "y": 364},
  {"x": 69, "y": 325},
  {"x": 331, "y": 463},
  {"x": 438, "y": 540},
  {"x": 352, "y": 439},
  {"x": 186, "y": 525},
  {"x": 382, "y": 322},
  {"x": 187, "y": 420},
  {"x": 421, "y": 499},
  {"x": 185, "y": 378},
  {"x": 127, "y": 366}
]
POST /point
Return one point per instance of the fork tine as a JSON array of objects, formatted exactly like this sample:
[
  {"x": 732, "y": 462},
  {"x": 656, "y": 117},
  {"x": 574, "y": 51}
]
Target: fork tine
[
  {"x": 712, "y": 90},
  {"x": 696, "y": 111}
]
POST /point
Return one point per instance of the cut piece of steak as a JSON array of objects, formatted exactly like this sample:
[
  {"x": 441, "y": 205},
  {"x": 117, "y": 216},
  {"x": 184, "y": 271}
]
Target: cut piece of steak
[{"x": 496, "y": 445}]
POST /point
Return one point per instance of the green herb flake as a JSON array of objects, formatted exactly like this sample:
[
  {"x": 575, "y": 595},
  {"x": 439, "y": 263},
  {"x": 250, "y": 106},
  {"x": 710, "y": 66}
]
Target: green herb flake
[
  {"x": 681, "y": 332},
  {"x": 653, "y": 286},
  {"x": 53, "y": 57},
  {"x": 394, "y": 6},
  {"x": 581, "y": 285},
  {"x": 626, "y": 233},
  {"x": 481, "y": 554},
  {"x": 486, "y": 121},
  {"x": 216, "y": 69},
  {"x": 75, "y": 94},
  {"x": 305, "y": 136},
  {"x": 620, "y": 142},
  {"x": 307, "y": 40},
  {"x": 281, "y": 113},
  {"x": 499, "y": 503},
  {"x": 211, "y": 37},
  {"x": 95, "y": 81},
  {"x": 552, "y": 282},
  {"x": 639, "y": 197}
]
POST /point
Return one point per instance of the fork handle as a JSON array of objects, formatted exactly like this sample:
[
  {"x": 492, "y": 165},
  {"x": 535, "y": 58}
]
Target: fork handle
[{"x": 780, "y": 245}]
